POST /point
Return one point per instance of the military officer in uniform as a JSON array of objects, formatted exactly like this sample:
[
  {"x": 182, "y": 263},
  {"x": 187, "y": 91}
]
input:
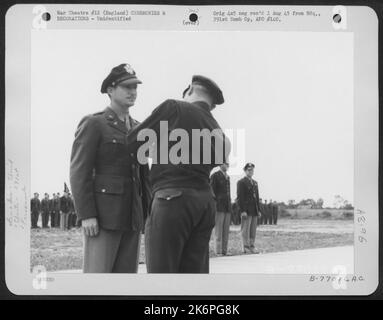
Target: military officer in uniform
[
  {"x": 45, "y": 210},
  {"x": 73, "y": 214},
  {"x": 56, "y": 211},
  {"x": 248, "y": 201},
  {"x": 111, "y": 191},
  {"x": 182, "y": 215},
  {"x": 35, "y": 210},
  {"x": 52, "y": 210},
  {"x": 220, "y": 183},
  {"x": 270, "y": 212},
  {"x": 275, "y": 213},
  {"x": 65, "y": 206},
  {"x": 264, "y": 211}
]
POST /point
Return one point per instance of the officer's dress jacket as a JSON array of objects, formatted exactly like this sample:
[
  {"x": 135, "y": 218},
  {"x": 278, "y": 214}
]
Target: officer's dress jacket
[
  {"x": 35, "y": 205},
  {"x": 248, "y": 196},
  {"x": 106, "y": 180},
  {"x": 46, "y": 205},
  {"x": 56, "y": 204},
  {"x": 220, "y": 184}
]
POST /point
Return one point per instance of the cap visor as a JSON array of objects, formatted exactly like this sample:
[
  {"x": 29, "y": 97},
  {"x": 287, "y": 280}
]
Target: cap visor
[{"x": 130, "y": 81}]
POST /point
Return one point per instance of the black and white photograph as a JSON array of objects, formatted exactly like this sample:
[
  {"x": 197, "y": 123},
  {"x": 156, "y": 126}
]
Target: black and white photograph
[{"x": 218, "y": 150}]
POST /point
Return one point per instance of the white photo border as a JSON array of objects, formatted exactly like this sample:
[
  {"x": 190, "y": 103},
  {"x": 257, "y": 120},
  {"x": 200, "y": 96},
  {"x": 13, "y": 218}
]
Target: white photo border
[{"x": 362, "y": 21}]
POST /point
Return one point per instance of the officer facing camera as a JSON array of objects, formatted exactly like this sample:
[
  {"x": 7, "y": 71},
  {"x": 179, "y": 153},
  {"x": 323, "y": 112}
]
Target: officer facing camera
[{"x": 111, "y": 191}]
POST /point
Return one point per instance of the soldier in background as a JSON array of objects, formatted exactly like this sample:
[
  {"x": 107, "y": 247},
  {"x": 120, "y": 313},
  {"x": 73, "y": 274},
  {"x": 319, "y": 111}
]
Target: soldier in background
[
  {"x": 72, "y": 215},
  {"x": 45, "y": 210},
  {"x": 270, "y": 209},
  {"x": 220, "y": 183},
  {"x": 64, "y": 211},
  {"x": 51, "y": 210},
  {"x": 275, "y": 213},
  {"x": 248, "y": 201},
  {"x": 265, "y": 212},
  {"x": 35, "y": 210},
  {"x": 56, "y": 211}
]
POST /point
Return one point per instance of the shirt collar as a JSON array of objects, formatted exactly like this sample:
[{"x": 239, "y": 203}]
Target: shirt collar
[{"x": 112, "y": 115}]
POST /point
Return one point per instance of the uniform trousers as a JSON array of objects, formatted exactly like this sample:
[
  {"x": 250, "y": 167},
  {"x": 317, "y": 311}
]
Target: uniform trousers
[
  {"x": 248, "y": 231},
  {"x": 34, "y": 218},
  {"x": 221, "y": 230},
  {"x": 45, "y": 219},
  {"x": 64, "y": 217},
  {"x": 178, "y": 231},
  {"x": 275, "y": 216},
  {"x": 112, "y": 251}
]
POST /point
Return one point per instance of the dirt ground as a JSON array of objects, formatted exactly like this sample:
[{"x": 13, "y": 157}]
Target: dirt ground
[{"x": 62, "y": 250}]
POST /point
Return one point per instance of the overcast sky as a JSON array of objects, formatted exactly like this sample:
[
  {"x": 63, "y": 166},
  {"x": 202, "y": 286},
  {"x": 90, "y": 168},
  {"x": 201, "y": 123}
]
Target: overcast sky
[{"x": 291, "y": 92}]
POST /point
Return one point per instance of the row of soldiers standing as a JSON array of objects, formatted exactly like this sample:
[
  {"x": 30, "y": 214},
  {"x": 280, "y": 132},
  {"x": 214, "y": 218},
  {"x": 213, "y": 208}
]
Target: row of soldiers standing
[
  {"x": 269, "y": 212},
  {"x": 55, "y": 212}
]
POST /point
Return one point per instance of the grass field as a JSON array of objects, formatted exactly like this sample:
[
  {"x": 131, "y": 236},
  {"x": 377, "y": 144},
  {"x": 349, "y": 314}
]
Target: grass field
[
  {"x": 327, "y": 214},
  {"x": 62, "y": 250}
]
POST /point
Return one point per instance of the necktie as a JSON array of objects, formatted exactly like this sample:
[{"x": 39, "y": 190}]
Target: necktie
[{"x": 127, "y": 123}]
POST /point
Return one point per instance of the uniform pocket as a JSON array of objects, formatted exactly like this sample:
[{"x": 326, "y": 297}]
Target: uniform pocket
[
  {"x": 109, "y": 184},
  {"x": 168, "y": 194},
  {"x": 114, "y": 147}
]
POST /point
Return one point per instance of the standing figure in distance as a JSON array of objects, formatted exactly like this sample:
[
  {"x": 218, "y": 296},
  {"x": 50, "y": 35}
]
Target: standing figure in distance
[
  {"x": 52, "y": 210},
  {"x": 275, "y": 213},
  {"x": 248, "y": 201},
  {"x": 220, "y": 183},
  {"x": 56, "y": 208},
  {"x": 45, "y": 210},
  {"x": 64, "y": 211},
  {"x": 270, "y": 212},
  {"x": 35, "y": 210}
]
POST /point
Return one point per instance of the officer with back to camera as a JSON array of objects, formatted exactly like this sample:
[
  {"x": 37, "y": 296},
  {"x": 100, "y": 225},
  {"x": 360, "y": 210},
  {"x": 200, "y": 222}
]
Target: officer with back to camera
[{"x": 182, "y": 217}]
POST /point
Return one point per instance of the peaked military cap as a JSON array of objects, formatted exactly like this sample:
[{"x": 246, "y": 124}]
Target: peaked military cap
[
  {"x": 211, "y": 86},
  {"x": 121, "y": 73}
]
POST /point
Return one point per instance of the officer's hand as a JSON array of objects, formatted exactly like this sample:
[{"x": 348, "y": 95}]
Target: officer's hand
[
  {"x": 259, "y": 214},
  {"x": 90, "y": 227},
  {"x": 244, "y": 214}
]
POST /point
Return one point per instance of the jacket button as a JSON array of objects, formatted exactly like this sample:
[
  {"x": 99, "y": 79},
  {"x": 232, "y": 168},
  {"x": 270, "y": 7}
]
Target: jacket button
[
  {"x": 114, "y": 141},
  {"x": 168, "y": 198},
  {"x": 115, "y": 123},
  {"x": 103, "y": 190}
]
